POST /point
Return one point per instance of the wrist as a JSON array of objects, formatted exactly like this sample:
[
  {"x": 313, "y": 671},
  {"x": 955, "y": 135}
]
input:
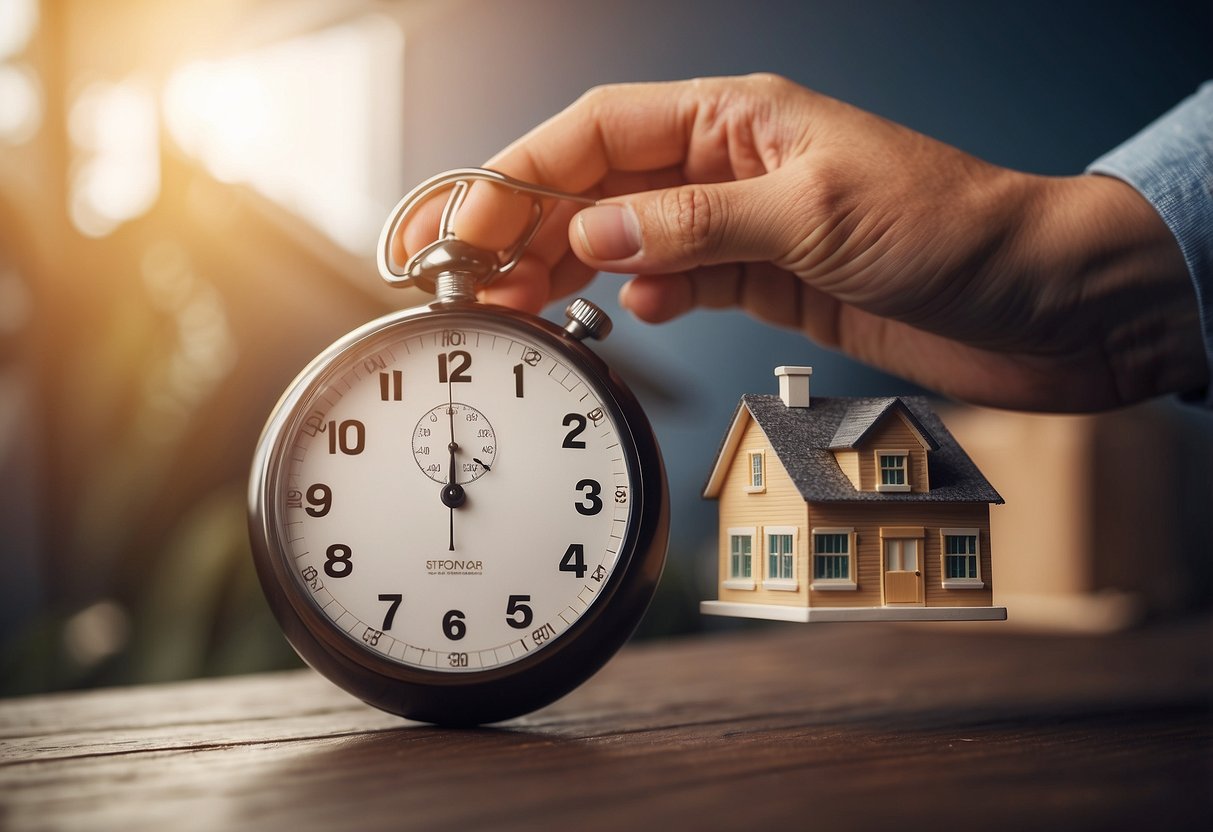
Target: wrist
[{"x": 1116, "y": 280}]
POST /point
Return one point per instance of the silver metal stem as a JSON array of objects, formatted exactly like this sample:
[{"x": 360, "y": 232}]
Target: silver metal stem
[{"x": 450, "y": 286}]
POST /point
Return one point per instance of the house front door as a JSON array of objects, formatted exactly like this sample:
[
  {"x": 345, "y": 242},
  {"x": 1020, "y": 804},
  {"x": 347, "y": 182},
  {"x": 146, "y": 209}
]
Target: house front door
[{"x": 903, "y": 582}]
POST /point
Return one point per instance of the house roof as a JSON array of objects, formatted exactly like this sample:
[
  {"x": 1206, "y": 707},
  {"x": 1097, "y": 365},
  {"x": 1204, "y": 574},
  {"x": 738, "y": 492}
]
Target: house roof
[
  {"x": 804, "y": 437},
  {"x": 863, "y": 414}
]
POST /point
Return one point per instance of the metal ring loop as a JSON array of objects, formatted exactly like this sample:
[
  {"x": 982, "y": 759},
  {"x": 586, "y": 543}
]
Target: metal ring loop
[{"x": 460, "y": 179}]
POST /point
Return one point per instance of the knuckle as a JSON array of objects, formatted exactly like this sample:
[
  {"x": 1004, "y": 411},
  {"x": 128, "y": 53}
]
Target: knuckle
[
  {"x": 592, "y": 98},
  {"x": 768, "y": 80},
  {"x": 693, "y": 217},
  {"x": 776, "y": 89}
]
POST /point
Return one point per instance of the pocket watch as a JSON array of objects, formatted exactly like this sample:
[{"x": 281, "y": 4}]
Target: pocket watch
[{"x": 459, "y": 512}]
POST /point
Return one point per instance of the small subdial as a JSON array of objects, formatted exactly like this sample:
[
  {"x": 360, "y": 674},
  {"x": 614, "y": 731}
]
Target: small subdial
[{"x": 456, "y": 433}]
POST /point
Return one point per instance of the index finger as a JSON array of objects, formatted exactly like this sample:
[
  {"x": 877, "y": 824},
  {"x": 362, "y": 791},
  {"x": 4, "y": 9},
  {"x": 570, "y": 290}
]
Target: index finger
[
  {"x": 710, "y": 129},
  {"x": 623, "y": 127}
]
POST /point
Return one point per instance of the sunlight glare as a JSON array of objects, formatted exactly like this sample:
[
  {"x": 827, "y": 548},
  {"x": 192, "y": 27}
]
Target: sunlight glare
[
  {"x": 18, "y": 21},
  {"x": 20, "y": 103},
  {"x": 313, "y": 123},
  {"x": 116, "y": 175}
]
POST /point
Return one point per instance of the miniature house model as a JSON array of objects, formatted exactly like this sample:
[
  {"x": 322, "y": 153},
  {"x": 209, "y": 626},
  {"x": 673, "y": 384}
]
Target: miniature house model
[{"x": 848, "y": 509}]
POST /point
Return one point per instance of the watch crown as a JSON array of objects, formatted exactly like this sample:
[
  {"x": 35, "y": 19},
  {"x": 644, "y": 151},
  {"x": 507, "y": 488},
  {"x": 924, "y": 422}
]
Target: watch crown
[{"x": 587, "y": 319}]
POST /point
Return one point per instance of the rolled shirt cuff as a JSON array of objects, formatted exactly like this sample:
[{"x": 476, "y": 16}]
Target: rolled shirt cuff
[{"x": 1170, "y": 163}]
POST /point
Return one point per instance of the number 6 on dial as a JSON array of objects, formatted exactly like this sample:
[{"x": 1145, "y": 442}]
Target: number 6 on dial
[{"x": 483, "y": 463}]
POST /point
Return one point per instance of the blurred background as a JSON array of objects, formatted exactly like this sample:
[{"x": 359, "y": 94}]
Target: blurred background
[{"x": 189, "y": 197}]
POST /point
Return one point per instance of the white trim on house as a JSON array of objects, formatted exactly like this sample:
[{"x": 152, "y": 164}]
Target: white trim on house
[
  {"x": 905, "y": 469},
  {"x": 728, "y": 452},
  {"x": 780, "y": 582},
  {"x": 740, "y": 581},
  {"x": 832, "y": 584},
  {"x": 960, "y": 583},
  {"x": 813, "y": 615},
  {"x": 761, "y": 487}
]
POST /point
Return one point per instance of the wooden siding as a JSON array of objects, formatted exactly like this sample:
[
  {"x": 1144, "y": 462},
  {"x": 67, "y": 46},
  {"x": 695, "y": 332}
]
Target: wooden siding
[
  {"x": 893, "y": 432},
  {"x": 780, "y": 504},
  {"x": 867, "y": 520},
  {"x": 848, "y": 461}
]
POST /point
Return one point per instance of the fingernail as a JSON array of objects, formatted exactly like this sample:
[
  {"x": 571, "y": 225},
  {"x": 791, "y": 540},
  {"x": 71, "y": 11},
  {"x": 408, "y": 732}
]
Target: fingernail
[
  {"x": 609, "y": 232},
  {"x": 624, "y": 291}
]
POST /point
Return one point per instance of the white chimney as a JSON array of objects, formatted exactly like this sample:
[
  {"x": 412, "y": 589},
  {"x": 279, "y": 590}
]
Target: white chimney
[{"x": 794, "y": 385}]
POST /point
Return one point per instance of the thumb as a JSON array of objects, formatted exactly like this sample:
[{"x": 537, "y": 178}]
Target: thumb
[{"x": 681, "y": 228}]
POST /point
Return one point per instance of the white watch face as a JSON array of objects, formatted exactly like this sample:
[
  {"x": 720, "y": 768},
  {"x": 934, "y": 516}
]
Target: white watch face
[{"x": 453, "y": 497}]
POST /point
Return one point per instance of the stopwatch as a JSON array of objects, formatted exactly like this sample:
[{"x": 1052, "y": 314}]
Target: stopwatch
[{"x": 459, "y": 512}]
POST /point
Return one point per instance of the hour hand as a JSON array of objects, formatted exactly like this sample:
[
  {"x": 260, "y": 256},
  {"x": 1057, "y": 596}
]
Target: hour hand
[{"x": 452, "y": 493}]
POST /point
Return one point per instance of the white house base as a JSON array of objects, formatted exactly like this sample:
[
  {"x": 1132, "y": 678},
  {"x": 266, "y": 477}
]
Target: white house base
[{"x": 776, "y": 612}]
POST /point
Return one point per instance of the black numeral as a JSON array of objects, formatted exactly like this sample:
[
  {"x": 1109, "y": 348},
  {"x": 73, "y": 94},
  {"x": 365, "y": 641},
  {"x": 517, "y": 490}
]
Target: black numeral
[
  {"x": 321, "y": 498},
  {"x": 574, "y": 560},
  {"x": 518, "y": 604},
  {"x": 391, "y": 386},
  {"x": 459, "y": 362},
  {"x": 578, "y": 423},
  {"x": 393, "y": 605},
  {"x": 371, "y": 636},
  {"x": 457, "y": 659},
  {"x": 593, "y": 503},
  {"x": 349, "y": 437},
  {"x": 518, "y": 380},
  {"x": 338, "y": 561},
  {"x": 453, "y": 626}
]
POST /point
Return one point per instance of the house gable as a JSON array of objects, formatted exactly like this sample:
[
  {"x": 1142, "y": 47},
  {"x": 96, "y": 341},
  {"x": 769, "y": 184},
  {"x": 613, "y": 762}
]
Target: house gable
[
  {"x": 864, "y": 415},
  {"x": 891, "y": 433},
  {"x": 728, "y": 451}
]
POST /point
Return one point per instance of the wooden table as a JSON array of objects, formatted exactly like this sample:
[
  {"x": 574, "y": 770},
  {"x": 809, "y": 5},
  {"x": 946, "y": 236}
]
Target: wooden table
[{"x": 788, "y": 727}]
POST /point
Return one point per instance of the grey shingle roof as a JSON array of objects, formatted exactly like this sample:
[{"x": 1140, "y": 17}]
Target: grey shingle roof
[
  {"x": 864, "y": 413},
  {"x": 802, "y": 438}
]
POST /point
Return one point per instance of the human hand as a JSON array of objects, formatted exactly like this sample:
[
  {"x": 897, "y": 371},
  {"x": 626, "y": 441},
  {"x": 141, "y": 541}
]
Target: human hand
[{"x": 983, "y": 283}]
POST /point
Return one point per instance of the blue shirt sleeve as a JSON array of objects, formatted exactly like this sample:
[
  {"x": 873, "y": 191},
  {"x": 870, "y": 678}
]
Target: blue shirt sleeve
[{"x": 1170, "y": 163}]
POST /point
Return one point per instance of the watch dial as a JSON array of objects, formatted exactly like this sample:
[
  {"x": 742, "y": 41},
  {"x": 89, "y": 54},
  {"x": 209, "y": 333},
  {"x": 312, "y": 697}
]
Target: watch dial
[{"x": 453, "y": 495}]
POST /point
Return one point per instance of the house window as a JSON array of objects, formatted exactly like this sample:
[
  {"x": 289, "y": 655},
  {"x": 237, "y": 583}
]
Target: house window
[
  {"x": 757, "y": 479},
  {"x": 831, "y": 557},
  {"x": 961, "y": 559},
  {"x": 740, "y": 554},
  {"x": 892, "y": 471},
  {"x": 832, "y": 554},
  {"x": 779, "y": 552},
  {"x": 781, "y": 558},
  {"x": 741, "y": 559}
]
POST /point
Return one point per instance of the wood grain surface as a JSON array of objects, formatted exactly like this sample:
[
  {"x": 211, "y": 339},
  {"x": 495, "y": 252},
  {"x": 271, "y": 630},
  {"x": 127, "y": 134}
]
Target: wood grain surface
[{"x": 860, "y": 726}]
